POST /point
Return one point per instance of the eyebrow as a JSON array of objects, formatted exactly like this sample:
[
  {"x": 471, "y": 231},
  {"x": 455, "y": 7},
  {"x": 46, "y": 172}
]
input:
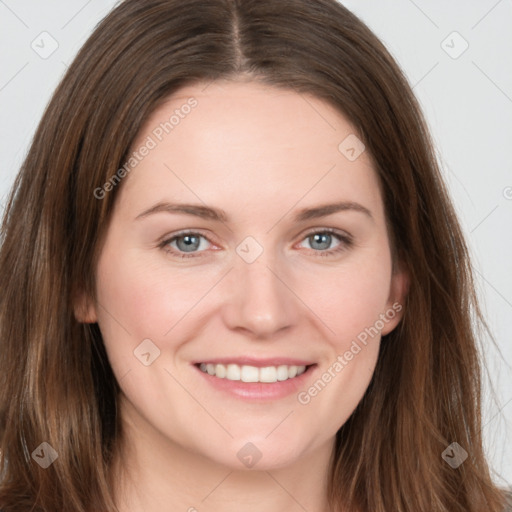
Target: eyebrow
[{"x": 219, "y": 215}]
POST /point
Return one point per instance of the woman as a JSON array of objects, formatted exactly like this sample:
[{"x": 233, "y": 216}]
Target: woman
[{"x": 233, "y": 278}]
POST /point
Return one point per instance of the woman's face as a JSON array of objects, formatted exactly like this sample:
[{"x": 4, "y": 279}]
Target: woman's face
[{"x": 248, "y": 241}]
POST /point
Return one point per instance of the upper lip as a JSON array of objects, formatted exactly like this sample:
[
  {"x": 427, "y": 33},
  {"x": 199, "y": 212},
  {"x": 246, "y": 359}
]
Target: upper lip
[{"x": 258, "y": 362}]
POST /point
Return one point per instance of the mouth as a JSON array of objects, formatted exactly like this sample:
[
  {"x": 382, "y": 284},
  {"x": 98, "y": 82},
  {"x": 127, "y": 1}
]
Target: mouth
[
  {"x": 256, "y": 380},
  {"x": 248, "y": 373}
]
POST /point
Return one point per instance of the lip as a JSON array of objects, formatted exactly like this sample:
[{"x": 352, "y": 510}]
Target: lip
[
  {"x": 257, "y": 362},
  {"x": 257, "y": 391}
]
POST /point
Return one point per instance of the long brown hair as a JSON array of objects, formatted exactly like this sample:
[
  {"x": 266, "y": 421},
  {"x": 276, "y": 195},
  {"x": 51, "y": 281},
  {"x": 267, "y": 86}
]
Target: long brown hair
[{"x": 56, "y": 383}]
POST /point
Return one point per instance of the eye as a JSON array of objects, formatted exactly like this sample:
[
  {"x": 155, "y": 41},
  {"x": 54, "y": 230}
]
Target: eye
[
  {"x": 186, "y": 244},
  {"x": 321, "y": 240}
]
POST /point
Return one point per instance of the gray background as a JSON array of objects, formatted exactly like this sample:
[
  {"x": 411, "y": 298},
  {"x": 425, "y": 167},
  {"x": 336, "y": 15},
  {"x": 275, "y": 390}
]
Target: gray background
[{"x": 466, "y": 94}]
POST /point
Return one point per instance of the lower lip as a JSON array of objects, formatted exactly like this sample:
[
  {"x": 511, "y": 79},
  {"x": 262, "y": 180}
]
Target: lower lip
[{"x": 259, "y": 391}]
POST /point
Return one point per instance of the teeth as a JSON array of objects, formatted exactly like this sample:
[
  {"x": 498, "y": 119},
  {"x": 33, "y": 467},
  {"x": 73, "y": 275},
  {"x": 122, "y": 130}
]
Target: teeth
[
  {"x": 220, "y": 371},
  {"x": 252, "y": 373},
  {"x": 282, "y": 372},
  {"x": 233, "y": 372},
  {"x": 268, "y": 374}
]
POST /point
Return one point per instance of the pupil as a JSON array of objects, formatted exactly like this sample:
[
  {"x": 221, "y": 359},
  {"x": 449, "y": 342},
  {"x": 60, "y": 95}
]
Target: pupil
[
  {"x": 323, "y": 239},
  {"x": 190, "y": 243}
]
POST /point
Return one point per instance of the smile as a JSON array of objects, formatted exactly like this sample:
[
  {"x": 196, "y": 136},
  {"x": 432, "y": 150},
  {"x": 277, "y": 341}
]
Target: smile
[{"x": 246, "y": 373}]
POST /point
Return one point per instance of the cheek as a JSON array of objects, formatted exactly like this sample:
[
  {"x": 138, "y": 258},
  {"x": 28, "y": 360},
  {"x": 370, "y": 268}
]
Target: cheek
[
  {"x": 350, "y": 303},
  {"x": 350, "y": 298},
  {"x": 140, "y": 299}
]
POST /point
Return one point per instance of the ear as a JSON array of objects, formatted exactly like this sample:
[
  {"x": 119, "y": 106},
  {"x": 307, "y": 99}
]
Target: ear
[
  {"x": 395, "y": 306},
  {"x": 85, "y": 309}
]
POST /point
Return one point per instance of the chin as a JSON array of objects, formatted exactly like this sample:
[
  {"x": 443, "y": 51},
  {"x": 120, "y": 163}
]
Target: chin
[{"x": 258, "y": 454}]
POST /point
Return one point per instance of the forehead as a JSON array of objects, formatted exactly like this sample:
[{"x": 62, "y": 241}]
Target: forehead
[
  {"x": 247, "y": 110},
  {"x": 247, "y": 139}
]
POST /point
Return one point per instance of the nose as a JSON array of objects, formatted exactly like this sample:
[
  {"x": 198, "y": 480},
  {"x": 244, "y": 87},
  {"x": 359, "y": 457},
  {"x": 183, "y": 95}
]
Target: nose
[{"x": 260, "y": 301}]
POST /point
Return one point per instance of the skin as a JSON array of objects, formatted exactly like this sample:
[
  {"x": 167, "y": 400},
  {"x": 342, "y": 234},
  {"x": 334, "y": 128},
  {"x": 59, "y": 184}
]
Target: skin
[{"x": 261, "y": 154}]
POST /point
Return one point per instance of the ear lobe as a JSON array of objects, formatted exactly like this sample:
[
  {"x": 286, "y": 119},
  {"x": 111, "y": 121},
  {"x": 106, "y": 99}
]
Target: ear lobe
[
  {"x": 84, "y": 310},
  {"x": 395, "y": 306}
]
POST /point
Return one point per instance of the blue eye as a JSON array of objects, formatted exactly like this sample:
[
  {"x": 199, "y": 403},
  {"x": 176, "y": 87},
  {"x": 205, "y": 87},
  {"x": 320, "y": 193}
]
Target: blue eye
[
  {"x": 190, "y": 244},
  {"x": 186, "y": 244},
  {"x": 319, "y": 241}
]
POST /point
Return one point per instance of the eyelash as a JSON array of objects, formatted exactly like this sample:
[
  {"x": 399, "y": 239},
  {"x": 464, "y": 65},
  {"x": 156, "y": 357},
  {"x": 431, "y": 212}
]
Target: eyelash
[{"x": 345, "y": 240}]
